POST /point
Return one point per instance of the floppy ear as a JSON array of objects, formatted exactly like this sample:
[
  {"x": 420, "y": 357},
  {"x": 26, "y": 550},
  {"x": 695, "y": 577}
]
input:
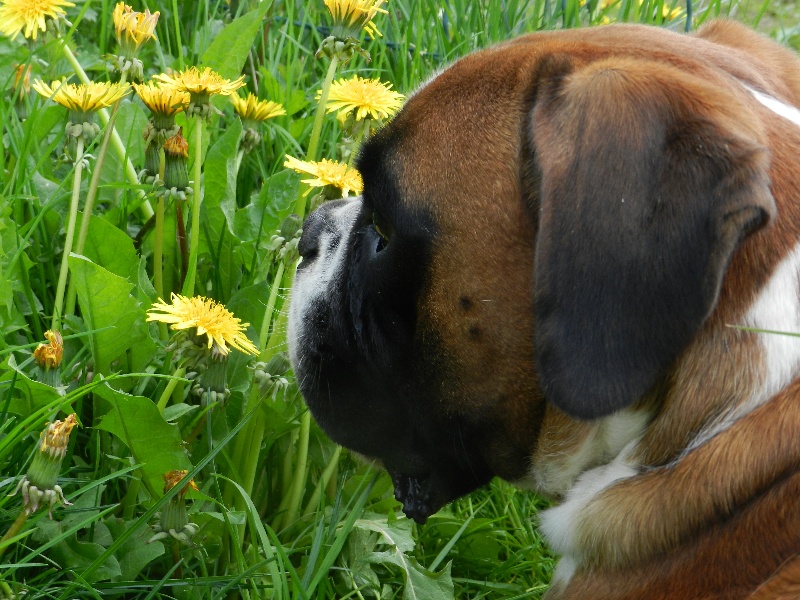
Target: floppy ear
[{"x": 649, "y": 178}]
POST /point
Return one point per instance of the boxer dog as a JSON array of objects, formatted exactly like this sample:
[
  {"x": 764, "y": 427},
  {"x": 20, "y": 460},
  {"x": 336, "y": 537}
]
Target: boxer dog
[{"x": 567, "y": 268}]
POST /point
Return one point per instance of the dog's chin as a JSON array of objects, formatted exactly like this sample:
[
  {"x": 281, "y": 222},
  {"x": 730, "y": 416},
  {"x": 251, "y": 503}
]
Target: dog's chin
[{"x": 424, "y": 495}]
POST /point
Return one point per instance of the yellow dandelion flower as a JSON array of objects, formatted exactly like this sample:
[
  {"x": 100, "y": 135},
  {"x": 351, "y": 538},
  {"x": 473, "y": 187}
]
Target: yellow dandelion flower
[
  {"x": 668, "y": 14},
  {"x": 328, "y": 172},
  {"x": 173, "y": 478},
  {"x": 368, "y": 97},
  {"x": 253, "y": 109},
  {"x": 51, "y": 354},
  {"x": 351, "y": 16},
  {"x": 200, "y": 83},
  {"x": 133, "y": 28},
  {"x": 82, "y": 98},
  {"x": 29, "y": 17},
  {"x": 162, "y": 101},
  {"x": 208, "y": 317}
]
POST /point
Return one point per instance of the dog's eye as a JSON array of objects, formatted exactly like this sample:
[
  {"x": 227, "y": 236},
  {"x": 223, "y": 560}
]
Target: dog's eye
[{"x": 383, "y": 228}]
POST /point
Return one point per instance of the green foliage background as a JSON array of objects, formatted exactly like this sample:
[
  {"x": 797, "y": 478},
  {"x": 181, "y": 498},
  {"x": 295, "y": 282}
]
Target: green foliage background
[{"x": 346, "y": 537}]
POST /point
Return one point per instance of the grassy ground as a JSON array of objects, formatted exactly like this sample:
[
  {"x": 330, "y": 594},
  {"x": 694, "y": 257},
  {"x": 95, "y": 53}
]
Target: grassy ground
[{"x": 278, "y": 512}]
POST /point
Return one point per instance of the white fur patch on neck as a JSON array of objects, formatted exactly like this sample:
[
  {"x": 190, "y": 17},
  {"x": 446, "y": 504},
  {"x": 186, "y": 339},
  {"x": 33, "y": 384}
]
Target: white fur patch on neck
[
  {"x": 776, "y": 309},
  {"x": 555, "y": 472},
  {"x": 787, "y": 111},
  {"x": 560, "y": 523}
]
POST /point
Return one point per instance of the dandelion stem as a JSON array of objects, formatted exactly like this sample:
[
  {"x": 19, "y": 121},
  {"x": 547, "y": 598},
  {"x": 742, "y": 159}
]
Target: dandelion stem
[
  {"x": 197, "y": 198},
  {"x": 177, "y": 376},
  {"x": 15, "y": 528},
  {"x": 323, "y": 481},
  {"x": 300, "y": 471},
  {"x": 158, "y": 261},
  {"x": 116, "y": 141},
  {"x": 273, "y": 296},
  {"x": 316, "y": 130},
  {"x": 91, "y": 194},
  {"x": 71, "y": 218}
]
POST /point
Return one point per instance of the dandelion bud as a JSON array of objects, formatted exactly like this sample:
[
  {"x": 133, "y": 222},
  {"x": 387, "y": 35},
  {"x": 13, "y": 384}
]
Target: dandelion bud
[
  {"x": 48, "y": 358},
  {"x": 290, "y": 226},
  {"x": 132, "y": 29},
  {"x": 270, "y": 375},
  {"x": 174, "y": 520},
  {"x": 39, "y": 484},
  {"x": 152, "y": 160},
  {"x": 176, "y": 173}
]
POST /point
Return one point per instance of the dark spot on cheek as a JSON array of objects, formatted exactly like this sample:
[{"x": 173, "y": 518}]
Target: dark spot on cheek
[
  {"x": 465, "y": 302},
  {"x": 474, "y": 332}
]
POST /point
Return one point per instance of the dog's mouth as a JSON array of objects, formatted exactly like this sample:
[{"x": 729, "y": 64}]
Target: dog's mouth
[
  {"x": 417, "y": 495},
  {"x": 423, "y": 494}
]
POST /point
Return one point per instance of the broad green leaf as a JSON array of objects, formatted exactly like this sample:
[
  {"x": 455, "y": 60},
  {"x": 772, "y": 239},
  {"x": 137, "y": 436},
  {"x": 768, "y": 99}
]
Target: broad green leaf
[
  {"x": 266, "y": 213},
  {"x": 130, "y": 124},
  {"x": 248, "y": 304},
  {"x": 424, "y": 585},
  {"x": 397, "y": 534},
  {"x": 70, "y": 552},
  {"x": 28, "y": 395},
  {"x": 176, "y": 411},
  {"x": 111, "y": 248},
  {"x": 218, "y": 242},
  {"x": 135, "y": 553},
  {"x": 146, "y": 292},
  {"x": 106, "y": 302},
  {"x": 220, "y": 173},
  {"x": 227, "y": 53},
  {"x": 153, "y": 443},
  {"x": 256, "y": 222},
  {"x": 11, "y": 275}
]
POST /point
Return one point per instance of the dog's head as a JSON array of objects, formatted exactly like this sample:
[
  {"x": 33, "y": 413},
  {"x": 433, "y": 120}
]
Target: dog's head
[{"x": 544, "y": 228}]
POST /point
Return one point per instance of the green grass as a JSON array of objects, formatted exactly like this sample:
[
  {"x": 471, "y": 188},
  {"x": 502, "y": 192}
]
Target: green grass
[{"x": 280, "y": 513}]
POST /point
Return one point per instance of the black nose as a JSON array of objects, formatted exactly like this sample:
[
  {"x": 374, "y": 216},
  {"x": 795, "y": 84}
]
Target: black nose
[{"x": 318, "y": 222}]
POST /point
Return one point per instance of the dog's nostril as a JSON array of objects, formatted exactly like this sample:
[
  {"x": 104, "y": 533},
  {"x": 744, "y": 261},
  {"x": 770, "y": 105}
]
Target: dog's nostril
[{"x": 308, "y": 247}]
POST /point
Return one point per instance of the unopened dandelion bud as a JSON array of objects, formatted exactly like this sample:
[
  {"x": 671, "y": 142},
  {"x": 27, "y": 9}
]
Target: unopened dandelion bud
[
  {"x": 152, "y": 159},
  {"x": 48, "y": 358},
  {"x": 133, "y": 29},
  {"x": 51, "y": 354},
  {"x": 275, "y": 242},
  {"x": 39, "y": 483},
  {"x": 250, "y": 139},
  {"x": 279, "y": 364},
  {"x": 268, "y": 374},
  {"x": 289, "y": 251},
  {"x": 290, "y": 226},
  {"x": 176, "y": 155},
  {"x": 174, "y": 520},
  {"x": 21, "y": 89}
]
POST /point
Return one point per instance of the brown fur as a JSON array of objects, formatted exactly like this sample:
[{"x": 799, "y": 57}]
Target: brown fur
[
  {"x": 727, "y": 561},
  {"x": 695, "y": 510},
  {"x": 603, "y": 209}
]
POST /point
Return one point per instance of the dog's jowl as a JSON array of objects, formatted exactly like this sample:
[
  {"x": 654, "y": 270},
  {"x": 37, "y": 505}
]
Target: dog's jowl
[{"x": 563, "y": 250}]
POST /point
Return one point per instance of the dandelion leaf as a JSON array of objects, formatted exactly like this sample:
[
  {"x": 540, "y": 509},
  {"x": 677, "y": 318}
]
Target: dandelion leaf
[
  {"x": 396, "y": 536},
  {"x": 114, "y": 318},
  {"x": 27, "y": 395},
  {"x": 153, "y": 443},
  {"x": 228, "y": 51}
]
